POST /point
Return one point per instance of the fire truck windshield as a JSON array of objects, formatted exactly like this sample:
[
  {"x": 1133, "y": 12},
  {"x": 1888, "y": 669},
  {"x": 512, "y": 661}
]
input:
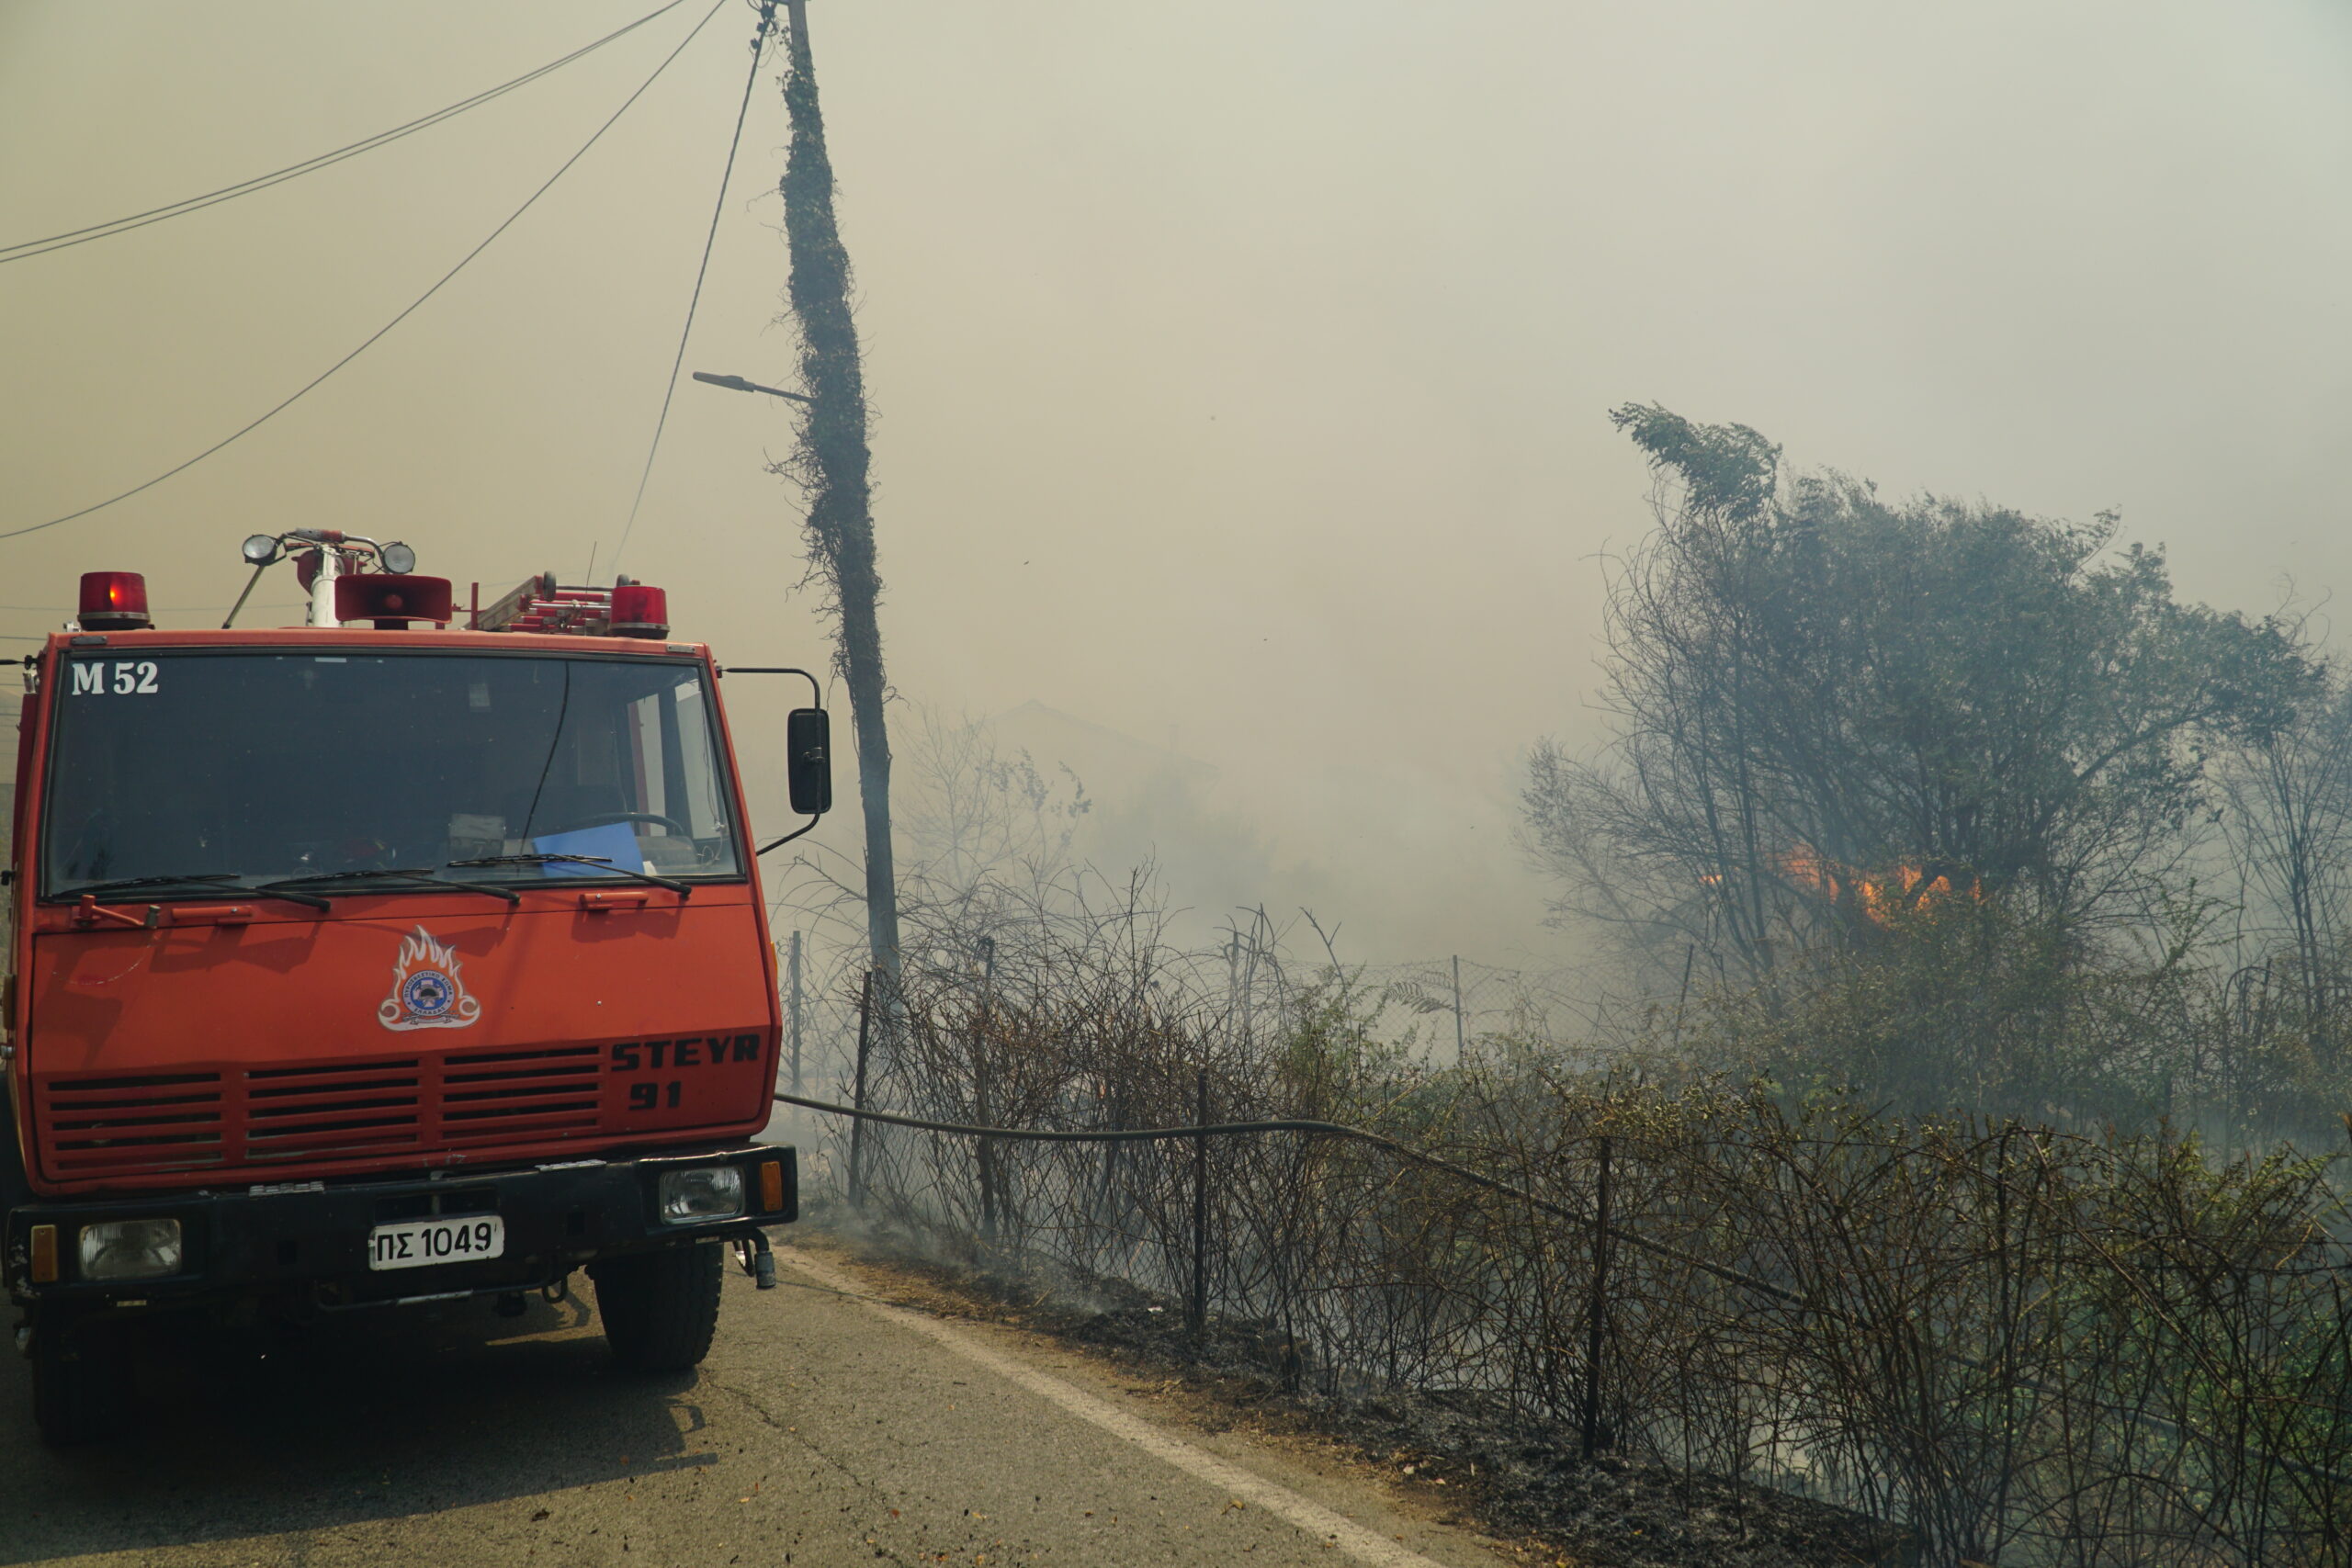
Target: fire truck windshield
[{"x": 242, "y": 767}]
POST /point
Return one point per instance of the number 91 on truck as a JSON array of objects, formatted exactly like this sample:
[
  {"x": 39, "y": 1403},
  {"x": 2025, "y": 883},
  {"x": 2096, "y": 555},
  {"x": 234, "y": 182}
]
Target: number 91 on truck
[{"x": 414, "y": 953}]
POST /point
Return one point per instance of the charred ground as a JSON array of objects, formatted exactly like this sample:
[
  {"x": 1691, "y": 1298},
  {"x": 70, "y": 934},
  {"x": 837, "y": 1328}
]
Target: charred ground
[{"x": 1470, "y": 1458}]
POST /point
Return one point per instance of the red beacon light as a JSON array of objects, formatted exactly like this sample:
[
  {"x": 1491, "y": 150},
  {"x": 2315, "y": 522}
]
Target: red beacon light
[
  {"x": 114, "y": 602},
  {"x": 639, "y": 611},
  {"x": 391, "y": 600}
]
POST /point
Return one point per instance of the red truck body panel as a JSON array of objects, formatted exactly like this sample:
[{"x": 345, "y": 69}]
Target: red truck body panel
[{"x": 247, "y": 1040}]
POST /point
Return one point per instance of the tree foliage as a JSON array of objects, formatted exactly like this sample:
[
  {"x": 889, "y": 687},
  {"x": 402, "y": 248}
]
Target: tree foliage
[{"x": 1827, "y": 705}]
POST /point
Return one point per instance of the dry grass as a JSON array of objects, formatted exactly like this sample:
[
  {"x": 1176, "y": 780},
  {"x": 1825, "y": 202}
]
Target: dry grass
[{"x": 2024, "y": 1346}]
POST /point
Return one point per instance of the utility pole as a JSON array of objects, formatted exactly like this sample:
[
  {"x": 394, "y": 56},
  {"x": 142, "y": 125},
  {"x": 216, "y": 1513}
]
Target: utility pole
[{"x": 832, "y": 464}]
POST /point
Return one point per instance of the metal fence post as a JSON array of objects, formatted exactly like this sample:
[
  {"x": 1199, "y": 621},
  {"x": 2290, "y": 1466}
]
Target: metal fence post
[
  {"x": 985, "y": 1152},
  {"x": 796, "y": 1012},
  {"x": 857, "y": 1124},
  {"x": 1197, "y": 1313},
  {"x": 1461, "y": 1041},
  {"x": 1596, "y": 1309}
]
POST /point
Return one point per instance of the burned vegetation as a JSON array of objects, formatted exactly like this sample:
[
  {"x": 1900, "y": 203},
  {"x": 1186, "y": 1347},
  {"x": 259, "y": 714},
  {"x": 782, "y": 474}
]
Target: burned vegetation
[
  {"x": 1931, "y": 1340},
  {"x": 1947, "y": 1171}
]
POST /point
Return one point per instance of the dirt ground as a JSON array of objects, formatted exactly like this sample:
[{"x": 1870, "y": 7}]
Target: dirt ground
[{"x": 1467, "y": 1460}]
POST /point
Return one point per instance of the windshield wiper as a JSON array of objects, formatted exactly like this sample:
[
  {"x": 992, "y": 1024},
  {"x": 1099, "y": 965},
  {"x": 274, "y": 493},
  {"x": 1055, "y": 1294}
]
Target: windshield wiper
[
  {"x": 420, "y": 877},
  {"x": 602, "y": 862},
  {"x": 203, "y": 882}
]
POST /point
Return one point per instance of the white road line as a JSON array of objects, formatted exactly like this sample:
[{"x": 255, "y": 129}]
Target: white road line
[{"x": 1363, "y": 1545}]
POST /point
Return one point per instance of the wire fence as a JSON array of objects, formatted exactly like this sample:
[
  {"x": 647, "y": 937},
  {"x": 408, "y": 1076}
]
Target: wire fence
[{"x": 2009, "y": 1340}]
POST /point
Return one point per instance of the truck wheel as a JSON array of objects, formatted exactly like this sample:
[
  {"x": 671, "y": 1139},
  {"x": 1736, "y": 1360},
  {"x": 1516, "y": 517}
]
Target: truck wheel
[
  {"x": 659, "y": 1308},
  {"x": 79, "y": 1390}
]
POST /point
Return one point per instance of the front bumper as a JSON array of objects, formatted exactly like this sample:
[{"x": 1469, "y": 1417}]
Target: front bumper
[{"x": 308, "y": 1242}]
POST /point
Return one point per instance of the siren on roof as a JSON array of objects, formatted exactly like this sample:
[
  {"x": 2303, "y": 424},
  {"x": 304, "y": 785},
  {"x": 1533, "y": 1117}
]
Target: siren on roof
[{"x": 391, "y": 600}]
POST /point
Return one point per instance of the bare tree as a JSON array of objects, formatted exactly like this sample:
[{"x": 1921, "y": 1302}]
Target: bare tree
[{"x": 2289, "y": 827}]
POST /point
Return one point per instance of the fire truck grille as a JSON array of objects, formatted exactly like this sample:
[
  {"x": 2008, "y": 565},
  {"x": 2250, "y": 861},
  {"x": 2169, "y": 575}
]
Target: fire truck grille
[
  {"x": 520, "y": 1094},
  {"x": 266, "y": 1116},
  {"x": 156, "y": 1121},
  {"x": 345, "y": 1107}
]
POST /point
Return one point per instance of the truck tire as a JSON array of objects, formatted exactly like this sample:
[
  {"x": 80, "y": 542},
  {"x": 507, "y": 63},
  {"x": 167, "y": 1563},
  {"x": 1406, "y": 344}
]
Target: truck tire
[
  {"x": 659, "y": 1308},
  {"x": 81, "y": 1387}
]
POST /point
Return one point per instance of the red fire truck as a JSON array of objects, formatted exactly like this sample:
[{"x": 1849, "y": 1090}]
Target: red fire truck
[{"x": 411, "y": 954}]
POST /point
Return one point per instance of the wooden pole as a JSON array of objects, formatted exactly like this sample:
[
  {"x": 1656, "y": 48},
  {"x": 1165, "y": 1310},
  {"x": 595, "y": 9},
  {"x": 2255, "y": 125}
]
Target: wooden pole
[
  {"x": 832, "y": 464},
  {"x": 1596, "y": 1309},
  {"x": 1197, "y": 1313}
]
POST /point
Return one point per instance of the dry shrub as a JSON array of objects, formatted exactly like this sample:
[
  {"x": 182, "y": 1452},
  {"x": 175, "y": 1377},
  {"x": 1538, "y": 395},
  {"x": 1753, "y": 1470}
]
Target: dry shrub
[{"x": 2024, "y": 1344}]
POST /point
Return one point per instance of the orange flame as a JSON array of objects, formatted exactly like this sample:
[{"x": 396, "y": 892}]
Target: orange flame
[{"x": 1878, "y": 898}]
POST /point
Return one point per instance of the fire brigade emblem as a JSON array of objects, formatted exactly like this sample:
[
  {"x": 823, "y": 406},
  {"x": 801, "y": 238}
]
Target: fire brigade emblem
[{"x": 426, "y": 993}]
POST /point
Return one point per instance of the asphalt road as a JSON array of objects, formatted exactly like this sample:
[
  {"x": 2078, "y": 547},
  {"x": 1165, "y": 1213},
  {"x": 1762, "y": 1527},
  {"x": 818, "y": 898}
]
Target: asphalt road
[{"x": 826, "y": 1429}]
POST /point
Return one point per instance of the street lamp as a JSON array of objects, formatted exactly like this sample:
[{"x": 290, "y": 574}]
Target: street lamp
[{"x": 737, "y": 384}]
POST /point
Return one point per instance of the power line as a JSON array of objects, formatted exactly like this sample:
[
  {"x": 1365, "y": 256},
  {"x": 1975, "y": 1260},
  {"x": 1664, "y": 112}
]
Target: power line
[
  {"x": 759, "y": 38},
  {"x": 25, "y": 249},
  {"x": 372, "y": 338},
  {"x": 158, "y": 609}
]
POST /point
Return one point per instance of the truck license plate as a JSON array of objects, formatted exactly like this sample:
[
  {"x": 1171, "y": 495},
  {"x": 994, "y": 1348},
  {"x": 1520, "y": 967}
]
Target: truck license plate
[{"x": 415, "y": 1244}]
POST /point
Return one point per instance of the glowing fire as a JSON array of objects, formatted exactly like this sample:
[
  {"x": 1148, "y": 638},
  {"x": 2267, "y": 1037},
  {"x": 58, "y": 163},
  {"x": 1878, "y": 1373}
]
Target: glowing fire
[{"x": 1877, "y": 896}]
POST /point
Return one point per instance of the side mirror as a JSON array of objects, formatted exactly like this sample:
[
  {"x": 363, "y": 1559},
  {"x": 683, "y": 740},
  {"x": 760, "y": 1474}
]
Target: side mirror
[{"x": 809, "y": 760}]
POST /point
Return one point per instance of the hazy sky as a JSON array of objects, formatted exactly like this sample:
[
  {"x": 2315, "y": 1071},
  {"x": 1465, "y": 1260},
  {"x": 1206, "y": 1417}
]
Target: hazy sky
[{"x": 1241, "y": 370}]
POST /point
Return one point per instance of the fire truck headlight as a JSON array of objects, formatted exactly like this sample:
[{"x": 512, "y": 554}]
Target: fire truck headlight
[
  {"x": 703, "y": 1192},
  {"x": 131, "y": 1250}
]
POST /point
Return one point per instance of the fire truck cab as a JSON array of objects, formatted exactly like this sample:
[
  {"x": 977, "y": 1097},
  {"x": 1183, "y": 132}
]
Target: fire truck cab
[{"x": 411, "y": 954}]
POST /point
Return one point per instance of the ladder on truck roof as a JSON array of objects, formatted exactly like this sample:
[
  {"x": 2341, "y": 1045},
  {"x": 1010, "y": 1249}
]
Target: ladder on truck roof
[{"x": 541, "y": 605}]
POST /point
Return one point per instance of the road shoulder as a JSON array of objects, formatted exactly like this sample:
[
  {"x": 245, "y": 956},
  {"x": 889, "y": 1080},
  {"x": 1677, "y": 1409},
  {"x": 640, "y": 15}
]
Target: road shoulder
[{"x": 1393, "y": 1499}]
